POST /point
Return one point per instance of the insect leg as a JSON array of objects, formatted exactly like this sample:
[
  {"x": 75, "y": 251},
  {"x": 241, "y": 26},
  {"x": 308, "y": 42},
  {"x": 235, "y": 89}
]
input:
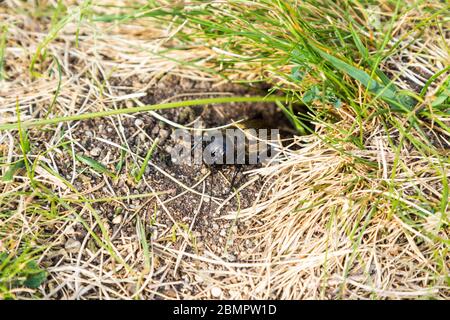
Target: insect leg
[{"x": 233, "y": 179}]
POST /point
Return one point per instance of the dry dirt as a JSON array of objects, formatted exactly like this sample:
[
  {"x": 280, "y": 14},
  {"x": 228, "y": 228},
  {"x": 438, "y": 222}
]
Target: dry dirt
[{"x": 177, "y": 207}]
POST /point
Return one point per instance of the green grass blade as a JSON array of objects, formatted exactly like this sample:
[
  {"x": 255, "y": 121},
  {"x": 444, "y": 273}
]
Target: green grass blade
[
  {"x": 170, "y": 105},
  {"x": 93, "y": 164},
  {"x": 146, "y": 160},
  {"x": 9, "y": 175},
  {"x": 3, "y": 32}
]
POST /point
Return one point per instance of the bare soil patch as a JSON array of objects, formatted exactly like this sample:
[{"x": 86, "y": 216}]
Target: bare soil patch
[{"x": 192, "y": 198}]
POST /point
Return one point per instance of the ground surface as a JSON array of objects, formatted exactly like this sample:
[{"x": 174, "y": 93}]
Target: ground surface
[
  {"x": 191, "y": 197},
  {"x": 355, "y": 208},
  {"x": 186, "y": 195}
]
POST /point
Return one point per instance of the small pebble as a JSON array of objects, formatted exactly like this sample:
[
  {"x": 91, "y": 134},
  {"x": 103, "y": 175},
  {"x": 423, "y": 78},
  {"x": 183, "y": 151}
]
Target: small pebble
[
  {"x": 138, "y": 123},
  {"x": 72, "y": 245},
  {"x": 215, "y": 226},
  {"x": 198, "y": 278},
  {"x": 231, "y": 258},
  {"x": 95, "y": 152},
  {"x": 164, "y": 134},
  {"x": 168, "y": 149},
  {"x": 142, "y": 136},
  {"x": 216, "y": 292},
  {"x": 186, "y": 83},
  {"x": 69, "y": 230},
  {"x": 155, "y": 130},
  {"x": 117, "y": 219},
  {"x": 223, "y": 233}
]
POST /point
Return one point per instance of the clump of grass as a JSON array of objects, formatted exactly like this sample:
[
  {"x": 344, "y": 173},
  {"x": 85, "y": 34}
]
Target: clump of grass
[
  {"x": 321, "y": 53},
  {"x": 19, "y": 272},
  {"x": 336, "y": 58}
]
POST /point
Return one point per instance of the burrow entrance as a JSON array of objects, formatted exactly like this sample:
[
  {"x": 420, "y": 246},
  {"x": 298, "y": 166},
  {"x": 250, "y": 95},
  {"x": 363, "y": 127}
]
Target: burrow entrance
[{"x": 190, "y": 195}]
